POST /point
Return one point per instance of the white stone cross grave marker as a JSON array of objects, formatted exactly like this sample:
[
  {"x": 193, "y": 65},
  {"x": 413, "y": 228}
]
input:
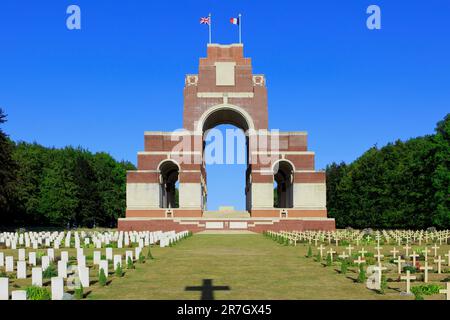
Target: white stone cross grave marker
[
  {"x": 379, "y": 256},
  {"x": 343, "y": 255},
  {"x": 426, "y": 268},
  {"x": 362, "y": 252},
  {"x": 394, "y": 252},
  {"x": 426, "y": 251},
  {"x": 321, "y": 248},
  {"x": 408, "y": 279},
  {"x": 447, "y": 255},
  {"x": 359, "y": 260},
  {"x": 446, "y": 292},
  {"x": 435, "y": 248},
  {"x": 439, "y": 262},
  {"x": 350, "y": 248},
  {"x": 399, "y": 262},
  {"x": 414, "y": 256},
  {"x": 407, "y": 247}
]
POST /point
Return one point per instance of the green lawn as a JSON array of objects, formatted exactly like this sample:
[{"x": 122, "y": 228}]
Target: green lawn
[{"x": 252, "y": 266}]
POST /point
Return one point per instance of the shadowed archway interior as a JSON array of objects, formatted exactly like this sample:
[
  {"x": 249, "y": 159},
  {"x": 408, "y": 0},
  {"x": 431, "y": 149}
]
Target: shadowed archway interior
[
  {"x": 283, "y": 177},
  {"x": 168, "y": 178}
]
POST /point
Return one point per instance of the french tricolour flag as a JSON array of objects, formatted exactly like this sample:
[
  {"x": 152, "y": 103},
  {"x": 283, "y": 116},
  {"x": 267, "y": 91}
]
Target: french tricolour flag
[{"x": 234, "y": 21}]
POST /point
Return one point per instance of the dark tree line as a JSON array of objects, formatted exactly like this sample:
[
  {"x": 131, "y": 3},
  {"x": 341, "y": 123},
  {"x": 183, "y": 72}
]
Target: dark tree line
[
  {"x": 59, "y": 187},
  {"x": 402, "y": 185}
]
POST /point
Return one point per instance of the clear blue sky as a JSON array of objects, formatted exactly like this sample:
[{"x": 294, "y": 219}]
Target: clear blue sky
[{"x": 123, "y": 73}]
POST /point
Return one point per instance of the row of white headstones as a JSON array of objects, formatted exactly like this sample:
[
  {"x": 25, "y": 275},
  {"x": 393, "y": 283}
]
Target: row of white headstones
[
  {"x": 73, "y": 275},
  {"x": 375, "y": 272}
]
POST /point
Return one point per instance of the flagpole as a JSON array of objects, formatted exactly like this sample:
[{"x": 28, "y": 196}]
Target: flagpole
[
  {"x": 240, "y": 31},
  {"x": 209, "y": 27}
]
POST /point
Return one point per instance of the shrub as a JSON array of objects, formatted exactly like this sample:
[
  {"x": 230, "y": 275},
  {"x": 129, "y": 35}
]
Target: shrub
[
  {"x": 130, "y": 264},
  {"x": 383, "y": 284},
  {"x": 141, "y": 258},
  {"x": 79, "y": 292},
  {"x": 411, "y": 269},
  {"x": 50, "y": 271},
  {"x": 102, "y": 278},
  {"x": 362, "y": 274},
  {"x": 329, "y": 263},
  {"x": 118, "y": 271},
  {"x": 149, "y": 254},
  {"x": 309, "y": 254},
  {"x": 38, "y": 293},
  {"x": 344, "y": 266},
  {"x": 424, "y": 290}
]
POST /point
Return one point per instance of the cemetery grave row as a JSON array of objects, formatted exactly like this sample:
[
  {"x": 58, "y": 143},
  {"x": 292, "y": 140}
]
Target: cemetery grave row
[
  {"x": 61, "y": 265},
  {"x": 403, "y": 262}
]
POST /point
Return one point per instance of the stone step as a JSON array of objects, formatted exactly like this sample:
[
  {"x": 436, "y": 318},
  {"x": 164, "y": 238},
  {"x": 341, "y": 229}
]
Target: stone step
[{"x": 226, "y": 214}]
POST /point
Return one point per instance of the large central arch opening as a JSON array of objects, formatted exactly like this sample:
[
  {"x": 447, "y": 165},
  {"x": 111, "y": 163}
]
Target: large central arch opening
[{"x": 225, "y": 159}]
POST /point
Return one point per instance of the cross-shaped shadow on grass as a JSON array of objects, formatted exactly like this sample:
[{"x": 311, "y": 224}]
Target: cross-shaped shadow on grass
[{"x": 207, "y": 289}]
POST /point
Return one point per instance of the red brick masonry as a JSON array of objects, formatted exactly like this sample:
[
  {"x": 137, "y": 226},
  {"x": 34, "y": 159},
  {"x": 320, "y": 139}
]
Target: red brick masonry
[{"x": 197, "y": 225}]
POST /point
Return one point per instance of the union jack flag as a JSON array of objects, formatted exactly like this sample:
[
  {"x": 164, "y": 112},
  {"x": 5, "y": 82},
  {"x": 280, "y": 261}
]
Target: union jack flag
[{"x": 205, "y": 20}]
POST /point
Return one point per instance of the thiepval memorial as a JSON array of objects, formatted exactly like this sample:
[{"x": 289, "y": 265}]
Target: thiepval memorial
[{"x": 225, "y": 91}]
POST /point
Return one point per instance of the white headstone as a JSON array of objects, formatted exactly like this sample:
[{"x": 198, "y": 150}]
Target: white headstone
[
  {"x": 32, "y": 258},
  {"x": 103, "y": 265},
  {"x": 109, "y": 253},
  {"x": 19, "y": 295},
  {"x": 45, "y": 262},
  {"x": 4, "y": 291},
  {"x": 97, "y": 257},
  {"x": 62, "y": 269},
  {"x": 21, "y": 270},
  {"x": 81, "y": 261},
  {"x": 65, "y": 256},
  {"x": 128, "y": 254},
  {"x": 117, "y": 260},
  {"x": 36, "y": 277},
  {"x": 9, "y": 264},
  {"x": 2, "y": 259},
  {"x": 21, "y": 255},
  {"x": 83, "y": 273},
  {"x": 137, "y": 253},
  {"x": 57, "y": 288},
  {"x": 51, "y": 254}
]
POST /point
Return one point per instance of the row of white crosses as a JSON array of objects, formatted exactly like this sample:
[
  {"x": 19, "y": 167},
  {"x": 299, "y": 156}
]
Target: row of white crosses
[
  {"x": 408, "y": 237},
  {"x": 74, "y": 275}
]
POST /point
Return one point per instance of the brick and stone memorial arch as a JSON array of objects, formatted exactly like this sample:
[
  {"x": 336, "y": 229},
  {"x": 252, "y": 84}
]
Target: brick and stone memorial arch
[{"x": 225, "y": 91}]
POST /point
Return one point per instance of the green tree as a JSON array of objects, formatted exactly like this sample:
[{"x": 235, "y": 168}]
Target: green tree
[{"x": 8, "y": 183}]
